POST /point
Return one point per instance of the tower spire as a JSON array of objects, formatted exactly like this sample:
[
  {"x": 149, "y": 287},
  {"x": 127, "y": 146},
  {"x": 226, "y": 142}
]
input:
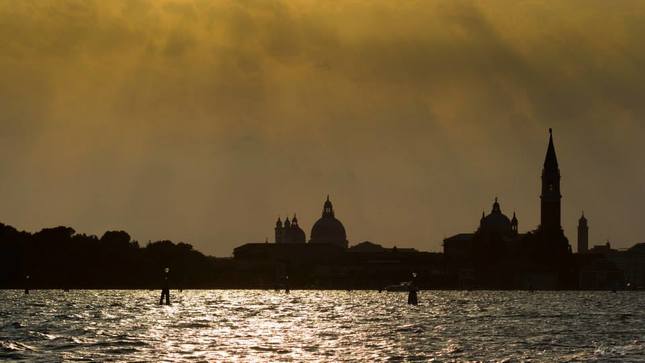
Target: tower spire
[
  {"x": 551, "y": 159},
  {"x": 550, "y": 197},
  {"x": 583, "y": 234}
]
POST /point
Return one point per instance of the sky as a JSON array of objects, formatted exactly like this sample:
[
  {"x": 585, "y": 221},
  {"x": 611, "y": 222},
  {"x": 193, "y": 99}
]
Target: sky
[{"x": 203, "y": 121}]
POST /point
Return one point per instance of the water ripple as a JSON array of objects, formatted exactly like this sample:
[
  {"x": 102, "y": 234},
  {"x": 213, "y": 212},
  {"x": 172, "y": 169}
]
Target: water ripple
[{"x": 322, "y": 326}]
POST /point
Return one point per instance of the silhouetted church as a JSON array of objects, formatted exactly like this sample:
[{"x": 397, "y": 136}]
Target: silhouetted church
[
  {"x": 327, "y": 229},
  {"x": 327, "y": 261},
  {"x": 497, "y": 255},
  {"x": 289, "y": 232}
]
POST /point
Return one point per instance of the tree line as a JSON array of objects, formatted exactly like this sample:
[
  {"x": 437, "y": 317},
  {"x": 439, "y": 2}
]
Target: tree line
[{"x": 61, "y": 258}]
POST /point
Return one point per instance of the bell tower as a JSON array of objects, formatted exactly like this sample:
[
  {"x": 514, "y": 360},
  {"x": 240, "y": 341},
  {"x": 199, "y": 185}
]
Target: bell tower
[
  {"x": 278, "y": 231},
  {"x": 583, "y": 234},
  {"x": 551, "y": 197}
]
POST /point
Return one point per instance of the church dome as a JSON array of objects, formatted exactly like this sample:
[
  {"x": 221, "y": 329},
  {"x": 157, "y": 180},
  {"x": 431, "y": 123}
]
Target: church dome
[
  {"x": 328, "y": 229},
  {"x": 496, "y": 221}
]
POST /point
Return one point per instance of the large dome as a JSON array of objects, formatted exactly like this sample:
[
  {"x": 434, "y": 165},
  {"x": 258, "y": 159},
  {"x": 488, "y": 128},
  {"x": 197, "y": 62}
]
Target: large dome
[{"x": 328, "y": 229}]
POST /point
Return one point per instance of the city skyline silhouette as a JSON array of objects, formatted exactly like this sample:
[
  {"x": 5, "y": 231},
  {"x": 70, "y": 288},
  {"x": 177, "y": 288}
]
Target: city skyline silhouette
[{"x": 314, "y": 180}]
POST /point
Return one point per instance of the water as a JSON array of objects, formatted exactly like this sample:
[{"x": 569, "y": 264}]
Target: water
[{"x": 236, "y": 325}]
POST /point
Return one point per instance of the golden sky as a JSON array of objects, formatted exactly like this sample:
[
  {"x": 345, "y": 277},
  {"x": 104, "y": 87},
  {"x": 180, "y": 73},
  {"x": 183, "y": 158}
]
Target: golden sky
[{"x": 203, "y": 121}]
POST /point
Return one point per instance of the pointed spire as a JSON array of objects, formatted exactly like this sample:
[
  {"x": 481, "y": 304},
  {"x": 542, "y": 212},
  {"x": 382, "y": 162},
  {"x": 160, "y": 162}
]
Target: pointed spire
[
  {"x": 551, "y": 160},
  {"x": 496, "y": 207},
  {"x": 278, "y": 223}
]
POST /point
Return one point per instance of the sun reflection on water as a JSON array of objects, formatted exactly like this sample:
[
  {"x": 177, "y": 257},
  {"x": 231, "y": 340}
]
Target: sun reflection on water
[{"x": 230, "y": 325}]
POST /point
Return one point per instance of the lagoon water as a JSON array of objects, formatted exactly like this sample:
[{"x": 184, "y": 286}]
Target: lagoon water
[{"x": 239, "y": 325}]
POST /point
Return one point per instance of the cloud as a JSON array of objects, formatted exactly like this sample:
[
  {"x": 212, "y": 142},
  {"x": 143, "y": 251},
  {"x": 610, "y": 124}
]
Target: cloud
[{"x": 202, "y": 121}]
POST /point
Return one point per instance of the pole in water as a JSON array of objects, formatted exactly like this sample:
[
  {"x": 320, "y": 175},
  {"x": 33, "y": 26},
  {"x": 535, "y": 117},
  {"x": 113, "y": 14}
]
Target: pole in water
[
  {"x": 27, "y": 285},
  {"x": 286, "y": 278},
  {"x": 413, "y": 299},
  {"x": 165, "y": 291}
]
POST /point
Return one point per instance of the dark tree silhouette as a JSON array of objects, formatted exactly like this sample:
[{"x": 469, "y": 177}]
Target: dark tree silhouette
[{"x": 60, "y": 258}]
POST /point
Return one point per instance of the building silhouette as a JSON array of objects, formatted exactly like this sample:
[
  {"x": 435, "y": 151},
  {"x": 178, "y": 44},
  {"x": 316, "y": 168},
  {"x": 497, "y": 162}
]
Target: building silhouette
[
  {"x": 289, "y": 232},
  {"x": 326, "y": 261},
  {"x": 550, "y": 199},
  {"x": 583, "y": 234},
  {"x": 497, "y": 255},
  {"x": 328, "y": 238},
  {"x": 326, "y": 230},
  {"x": 550, "y": 245}
]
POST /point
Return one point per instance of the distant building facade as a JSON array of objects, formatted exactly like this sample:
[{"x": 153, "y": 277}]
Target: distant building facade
[{"x": 632, "y": 263}]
